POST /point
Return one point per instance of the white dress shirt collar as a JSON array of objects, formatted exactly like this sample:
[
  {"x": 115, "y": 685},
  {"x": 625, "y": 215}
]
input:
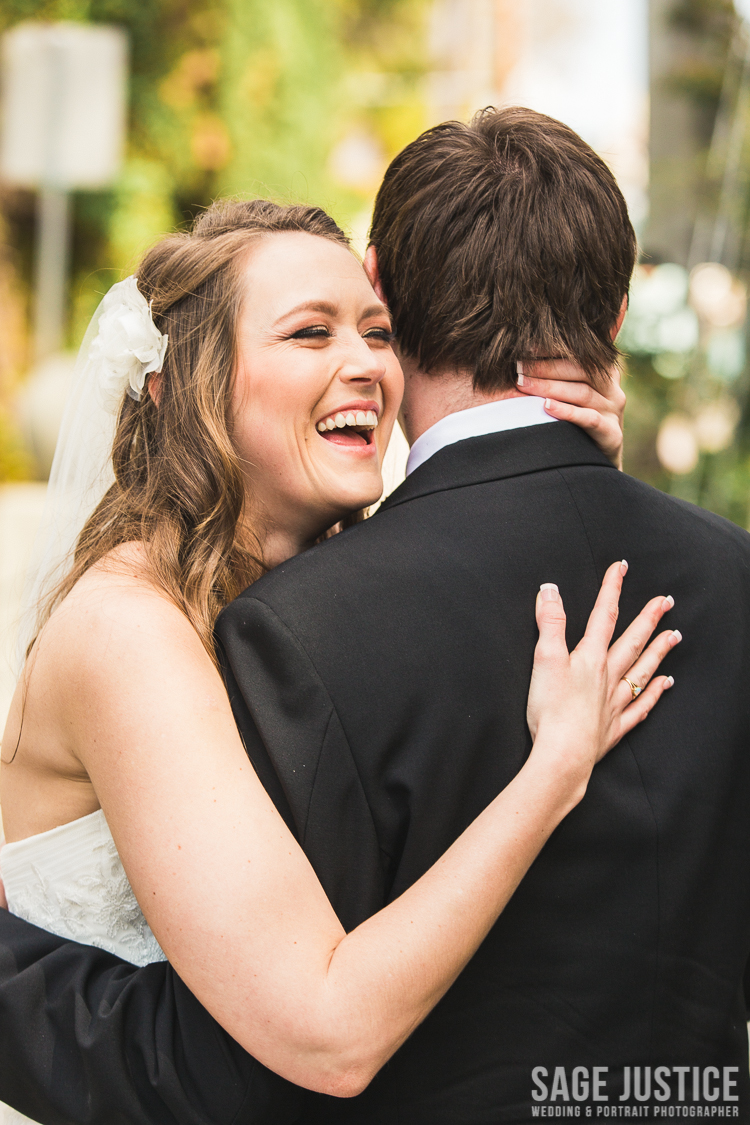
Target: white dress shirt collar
[{"x": 491, "y": 418}]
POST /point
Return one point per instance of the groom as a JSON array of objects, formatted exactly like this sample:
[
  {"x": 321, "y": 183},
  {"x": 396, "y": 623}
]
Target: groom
[{"x": 611, "y": 985}]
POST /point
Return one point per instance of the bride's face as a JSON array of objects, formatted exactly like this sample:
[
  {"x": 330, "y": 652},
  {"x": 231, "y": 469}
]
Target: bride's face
[{"x": 314, "y": 352}]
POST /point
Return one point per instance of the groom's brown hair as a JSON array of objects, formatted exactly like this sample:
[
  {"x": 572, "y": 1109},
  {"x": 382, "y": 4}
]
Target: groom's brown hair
[{"x": 499, "y": 240}]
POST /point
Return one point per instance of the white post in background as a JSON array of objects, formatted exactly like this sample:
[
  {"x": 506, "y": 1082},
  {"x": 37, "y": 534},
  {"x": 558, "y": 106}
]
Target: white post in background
[
  {"x": 62, "y": 128},
  {"x": 51, "y": 269}
]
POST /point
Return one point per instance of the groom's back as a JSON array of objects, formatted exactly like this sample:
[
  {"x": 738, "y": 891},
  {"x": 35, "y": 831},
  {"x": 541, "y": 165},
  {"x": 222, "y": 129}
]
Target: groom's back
[{"x": 405, "y": 648}]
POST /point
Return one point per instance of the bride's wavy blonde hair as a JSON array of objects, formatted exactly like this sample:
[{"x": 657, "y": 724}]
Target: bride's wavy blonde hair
[{"x": 179, "y": 487}]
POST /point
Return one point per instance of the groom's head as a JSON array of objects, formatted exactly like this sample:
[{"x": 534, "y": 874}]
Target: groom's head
[{"x": 500, "y": 240}]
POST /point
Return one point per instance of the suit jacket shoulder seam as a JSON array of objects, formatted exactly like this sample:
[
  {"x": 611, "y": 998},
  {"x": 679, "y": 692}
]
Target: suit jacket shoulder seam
[
  {"x": 561, "y": 473},
  {"x": 626, "y": 741}
]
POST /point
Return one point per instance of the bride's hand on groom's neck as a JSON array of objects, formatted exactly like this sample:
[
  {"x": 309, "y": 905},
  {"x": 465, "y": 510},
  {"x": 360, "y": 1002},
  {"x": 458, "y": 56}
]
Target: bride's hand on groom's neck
[{"x": 571, "y": 398}]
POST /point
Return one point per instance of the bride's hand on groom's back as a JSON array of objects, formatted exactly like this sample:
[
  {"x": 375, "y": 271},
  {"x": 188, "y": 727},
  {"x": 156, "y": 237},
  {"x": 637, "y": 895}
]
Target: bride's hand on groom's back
[
  {"x": 585, "y": 701},
  {"x": 571, "y": 398}
]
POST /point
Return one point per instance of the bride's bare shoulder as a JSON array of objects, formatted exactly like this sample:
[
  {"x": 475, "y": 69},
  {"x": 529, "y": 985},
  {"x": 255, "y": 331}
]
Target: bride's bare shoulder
[
  {"x": 115, "y": 670},
  {"x": 115, "y": 612}
]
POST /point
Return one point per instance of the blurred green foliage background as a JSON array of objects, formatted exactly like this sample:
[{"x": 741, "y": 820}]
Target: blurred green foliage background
[
  {"x": 309, "y": 99},
  {"x": 230, "y": 97},
  {"x": 699, "y": 187}
]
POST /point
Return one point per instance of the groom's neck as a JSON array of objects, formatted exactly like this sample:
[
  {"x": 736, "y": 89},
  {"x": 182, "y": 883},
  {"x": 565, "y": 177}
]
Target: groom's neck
[{"x": 428, "y": 398}]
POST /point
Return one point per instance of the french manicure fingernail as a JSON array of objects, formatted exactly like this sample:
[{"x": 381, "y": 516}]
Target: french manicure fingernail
[
  {"x": 668, "y": 602},
  {"x": 670, "y": 681},
  {"x": 623, "y": 567},
  {"x": 549, "y": 592},
  {"x": 677, "y": 634}
]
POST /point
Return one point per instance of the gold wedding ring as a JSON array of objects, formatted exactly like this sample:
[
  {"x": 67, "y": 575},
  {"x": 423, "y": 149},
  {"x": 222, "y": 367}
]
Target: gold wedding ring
[{"x": 635, "y": 690}]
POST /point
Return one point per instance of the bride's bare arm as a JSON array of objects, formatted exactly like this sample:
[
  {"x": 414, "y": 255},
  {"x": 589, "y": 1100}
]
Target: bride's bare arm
[{"x": 227, "y": 890}]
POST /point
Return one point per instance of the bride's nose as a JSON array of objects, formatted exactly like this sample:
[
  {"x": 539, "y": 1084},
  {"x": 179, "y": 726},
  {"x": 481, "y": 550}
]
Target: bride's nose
[{"x": 362, "y": 364}]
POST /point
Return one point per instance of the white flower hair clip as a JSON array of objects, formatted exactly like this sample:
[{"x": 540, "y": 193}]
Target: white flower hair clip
[{"x": 128, "y": 345}]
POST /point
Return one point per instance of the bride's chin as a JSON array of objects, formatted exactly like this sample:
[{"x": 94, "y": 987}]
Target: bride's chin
[{"x": 364, "y": 494}]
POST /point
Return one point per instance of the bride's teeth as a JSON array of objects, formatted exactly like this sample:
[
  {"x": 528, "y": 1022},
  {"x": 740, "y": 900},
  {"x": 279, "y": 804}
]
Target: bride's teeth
[{"x": 351, "y": 418}]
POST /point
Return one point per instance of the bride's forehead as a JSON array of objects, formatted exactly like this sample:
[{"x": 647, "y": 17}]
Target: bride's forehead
[
  {"x": 298, "y": 276},
  {"x": 287, "y": 257}
]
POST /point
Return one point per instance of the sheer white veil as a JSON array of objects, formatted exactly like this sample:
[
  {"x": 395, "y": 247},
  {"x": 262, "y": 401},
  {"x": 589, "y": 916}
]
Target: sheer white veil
[{"x": 121, "y": 346}]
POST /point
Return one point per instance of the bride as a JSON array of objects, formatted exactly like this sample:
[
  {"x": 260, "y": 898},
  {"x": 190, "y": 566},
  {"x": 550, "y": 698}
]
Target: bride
[{"x": 133, "y": 818}]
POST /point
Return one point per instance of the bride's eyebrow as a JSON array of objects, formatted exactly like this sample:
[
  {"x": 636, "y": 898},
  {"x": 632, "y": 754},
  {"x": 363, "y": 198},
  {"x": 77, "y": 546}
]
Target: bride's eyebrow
[
  {"x": 326, "y": 307},
  {"x": 329, "y": 309},
  {"x": 376, "y": 310}
]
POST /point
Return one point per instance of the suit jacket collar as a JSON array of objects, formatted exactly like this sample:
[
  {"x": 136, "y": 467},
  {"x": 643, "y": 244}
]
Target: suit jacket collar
[{"x": 510, "y": 453}]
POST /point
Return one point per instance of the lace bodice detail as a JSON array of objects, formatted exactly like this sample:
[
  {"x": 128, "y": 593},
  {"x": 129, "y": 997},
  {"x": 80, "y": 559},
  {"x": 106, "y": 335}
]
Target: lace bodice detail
[{"x": 71, "y": 882}]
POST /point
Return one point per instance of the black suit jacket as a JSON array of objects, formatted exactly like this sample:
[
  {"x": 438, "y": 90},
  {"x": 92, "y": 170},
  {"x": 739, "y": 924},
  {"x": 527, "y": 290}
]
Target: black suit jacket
[
  {"x": 380, "y": 683},
  {"x": 387, "y": 676}
]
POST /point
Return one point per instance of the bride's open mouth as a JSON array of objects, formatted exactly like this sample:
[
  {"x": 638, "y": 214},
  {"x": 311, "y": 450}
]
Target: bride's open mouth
[{"x": 352, "y": 428}]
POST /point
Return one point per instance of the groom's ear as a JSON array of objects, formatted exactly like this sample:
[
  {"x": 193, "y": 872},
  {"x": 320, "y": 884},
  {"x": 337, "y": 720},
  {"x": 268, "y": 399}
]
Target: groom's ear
[
  {"x": 372, "y": 271},
  {"x": 620, "y": 317}
]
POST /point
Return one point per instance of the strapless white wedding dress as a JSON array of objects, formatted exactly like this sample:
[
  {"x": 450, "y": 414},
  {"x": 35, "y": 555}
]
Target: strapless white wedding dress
[{"x": 71, "y": 882}]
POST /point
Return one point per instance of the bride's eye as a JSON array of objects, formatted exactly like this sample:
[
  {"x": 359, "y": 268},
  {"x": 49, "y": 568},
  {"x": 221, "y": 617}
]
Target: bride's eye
[
  {"x": 382, "y": 335},
  {"x": 312, "y": 332}
]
